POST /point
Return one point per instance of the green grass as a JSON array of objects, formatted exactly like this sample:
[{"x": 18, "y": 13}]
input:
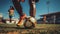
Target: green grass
[{"x": 39, "y": 29}]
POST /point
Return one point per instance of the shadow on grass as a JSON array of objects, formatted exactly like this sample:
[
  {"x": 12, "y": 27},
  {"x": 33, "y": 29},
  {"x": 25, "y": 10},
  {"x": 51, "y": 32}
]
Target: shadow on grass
[{"x": 15, "y": 27}]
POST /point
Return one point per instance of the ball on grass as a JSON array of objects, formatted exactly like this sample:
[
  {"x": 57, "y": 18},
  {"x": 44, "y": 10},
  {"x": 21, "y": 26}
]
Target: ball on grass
[{"x": 30, "y": 22}]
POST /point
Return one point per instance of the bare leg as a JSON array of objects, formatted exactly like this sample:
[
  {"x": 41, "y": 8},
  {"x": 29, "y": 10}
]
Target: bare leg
[
  {"x": 32, "y": 8},
  {"x": 18, "y": 7}
]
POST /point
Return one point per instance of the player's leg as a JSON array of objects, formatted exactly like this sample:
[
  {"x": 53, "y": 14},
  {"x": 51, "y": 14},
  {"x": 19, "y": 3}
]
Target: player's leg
[
  {"x": 32, "y": 8},
  {"x": 21, "y": 19},
  {"x": 18, "y": 7}
]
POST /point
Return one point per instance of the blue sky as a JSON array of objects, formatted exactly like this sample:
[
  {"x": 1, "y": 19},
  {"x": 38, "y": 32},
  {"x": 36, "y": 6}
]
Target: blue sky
[{"x": 41, "y": 7}]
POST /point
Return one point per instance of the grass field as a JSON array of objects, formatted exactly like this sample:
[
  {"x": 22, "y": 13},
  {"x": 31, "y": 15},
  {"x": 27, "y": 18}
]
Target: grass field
[{"x": 39, "y": 29}]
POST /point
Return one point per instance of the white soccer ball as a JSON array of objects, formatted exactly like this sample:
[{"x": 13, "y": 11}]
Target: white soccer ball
[{"x": 30, "y": 22}]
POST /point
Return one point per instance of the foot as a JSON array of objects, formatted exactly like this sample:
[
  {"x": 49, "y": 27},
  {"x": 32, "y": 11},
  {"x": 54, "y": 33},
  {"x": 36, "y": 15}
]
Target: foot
[
  {"x": 21, "y": 20},
  {"x": 18, "y": 25}
]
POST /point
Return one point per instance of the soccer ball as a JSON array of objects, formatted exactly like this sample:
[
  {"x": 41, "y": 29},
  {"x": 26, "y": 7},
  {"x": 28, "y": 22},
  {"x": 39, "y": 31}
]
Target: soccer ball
[{"x": 30, "y": 22}]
